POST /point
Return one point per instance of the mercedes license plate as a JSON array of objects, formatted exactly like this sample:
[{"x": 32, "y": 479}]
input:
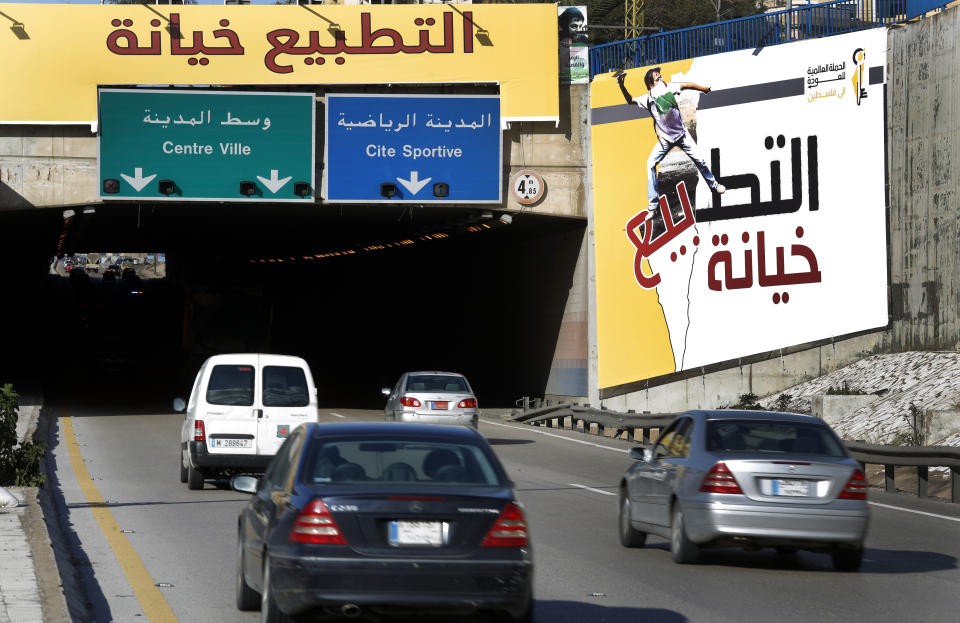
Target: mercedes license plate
[
  {"x": 417, "y": 533},
  {"x": 791, "y": 488},
  {"x": 232, "y": 443}
]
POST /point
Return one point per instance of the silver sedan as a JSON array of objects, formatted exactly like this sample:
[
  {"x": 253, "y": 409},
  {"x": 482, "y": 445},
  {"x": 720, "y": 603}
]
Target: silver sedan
[
  {"x": 746, "y": 478},
  {"x": 431, "y": 398}
]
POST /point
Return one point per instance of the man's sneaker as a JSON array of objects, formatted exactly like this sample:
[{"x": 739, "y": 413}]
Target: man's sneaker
[{"x": 719, "y": 189}]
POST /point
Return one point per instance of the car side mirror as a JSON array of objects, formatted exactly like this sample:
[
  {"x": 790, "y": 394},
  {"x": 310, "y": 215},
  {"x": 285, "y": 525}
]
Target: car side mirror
[
  {"x": 244, "y": 484},
  {"x": 385, "y": 391},
  {"x": 179, "y": 405},
  {"x": 639, "y": 453}
]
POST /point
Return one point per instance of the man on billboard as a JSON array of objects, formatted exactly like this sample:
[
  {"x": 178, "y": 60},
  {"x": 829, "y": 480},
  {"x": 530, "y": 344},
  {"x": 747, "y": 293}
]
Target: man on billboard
[{"x": 661, "y": 103}]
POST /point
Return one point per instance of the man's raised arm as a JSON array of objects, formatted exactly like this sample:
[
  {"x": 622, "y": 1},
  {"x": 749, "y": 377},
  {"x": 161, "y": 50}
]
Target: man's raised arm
[{"x": 623, "y": 89}]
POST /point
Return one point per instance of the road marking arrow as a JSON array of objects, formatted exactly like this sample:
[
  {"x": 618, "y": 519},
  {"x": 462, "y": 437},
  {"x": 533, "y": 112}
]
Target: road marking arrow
[
  {"x": 414, "y": 185},
  {"x": 138, "y": 181},
  {"x": 273, "y": 184}
]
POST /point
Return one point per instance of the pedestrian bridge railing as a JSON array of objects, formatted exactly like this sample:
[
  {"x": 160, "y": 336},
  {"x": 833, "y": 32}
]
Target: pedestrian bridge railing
[{"x": 755, "y": 32}]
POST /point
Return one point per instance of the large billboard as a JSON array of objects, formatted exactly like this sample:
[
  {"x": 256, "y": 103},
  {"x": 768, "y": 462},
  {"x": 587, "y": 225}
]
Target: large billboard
[
  {"x": 739, "y": 205},
  {"x": 56, "y": 55}
]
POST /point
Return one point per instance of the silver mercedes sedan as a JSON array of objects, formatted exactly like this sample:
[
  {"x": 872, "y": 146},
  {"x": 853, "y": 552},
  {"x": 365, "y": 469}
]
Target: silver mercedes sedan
[
  {"x": 752, "y": 479},
  {"x": 431, "y": 398}
]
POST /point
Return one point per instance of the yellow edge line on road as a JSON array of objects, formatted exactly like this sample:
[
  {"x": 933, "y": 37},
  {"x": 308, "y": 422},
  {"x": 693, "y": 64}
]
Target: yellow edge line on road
[{"x": 155, "y": 607}]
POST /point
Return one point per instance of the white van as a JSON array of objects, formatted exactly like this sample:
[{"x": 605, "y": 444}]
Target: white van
[{"x": 241, "y": 409}]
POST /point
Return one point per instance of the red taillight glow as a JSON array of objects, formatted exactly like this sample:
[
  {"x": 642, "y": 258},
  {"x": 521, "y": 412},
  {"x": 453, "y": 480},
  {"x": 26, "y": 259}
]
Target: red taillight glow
[
  {"x": 856, "y": 488},
  {"x": 315, "y": 524},
  {"x": 467, "y": 403},
  {"x": 509, "y": 530},
  {"x": 409, "y": 401},
  {"x": 720, "y": 480},
  {"x": 199, "y": 433}
]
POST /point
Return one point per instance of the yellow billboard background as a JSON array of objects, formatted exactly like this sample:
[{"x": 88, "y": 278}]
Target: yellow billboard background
[
  {"x": 632, "y": 316},
  {"x": 55, "y": 56}
]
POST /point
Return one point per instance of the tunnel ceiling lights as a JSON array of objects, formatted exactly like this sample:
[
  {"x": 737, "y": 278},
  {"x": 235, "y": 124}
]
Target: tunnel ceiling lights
[{"x": 472, "y": 224}]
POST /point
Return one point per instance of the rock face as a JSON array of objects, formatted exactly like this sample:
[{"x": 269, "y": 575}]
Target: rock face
[{"x": 929, "y": 380}]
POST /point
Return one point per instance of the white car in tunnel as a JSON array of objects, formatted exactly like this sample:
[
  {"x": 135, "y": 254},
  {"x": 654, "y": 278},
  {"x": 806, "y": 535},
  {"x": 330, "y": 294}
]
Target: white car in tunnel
[
  {"x": 241, "y": 409},
  {"x": 431, "y": 398}
]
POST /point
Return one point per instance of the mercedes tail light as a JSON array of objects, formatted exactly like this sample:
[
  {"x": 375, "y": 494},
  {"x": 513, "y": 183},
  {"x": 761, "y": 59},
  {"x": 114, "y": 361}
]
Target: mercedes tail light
[
  {"x": 199, "y": 432},
  {"x": 315, "y": 524},
  {"x": 467, "y": 403},
  {"x": 720, "y": 480},
  {"x": 509, "y": 530},
  {"x": 409, "y": 401},
  {"x": 856, "y": 488}
]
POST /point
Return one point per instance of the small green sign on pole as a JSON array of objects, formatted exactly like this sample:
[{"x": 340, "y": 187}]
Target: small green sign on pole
[{"x": 170, "y": 145}]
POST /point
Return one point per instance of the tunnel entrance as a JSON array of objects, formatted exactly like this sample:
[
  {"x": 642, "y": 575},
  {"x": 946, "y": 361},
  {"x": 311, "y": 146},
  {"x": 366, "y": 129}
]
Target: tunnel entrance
[{"x": 364, "y": 293}]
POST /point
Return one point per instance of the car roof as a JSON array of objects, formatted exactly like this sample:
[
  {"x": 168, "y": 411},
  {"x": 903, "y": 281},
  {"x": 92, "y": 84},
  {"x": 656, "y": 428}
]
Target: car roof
[
  {"x": 435, "y": 372},
  {"x": 743, "y": 414},
  {"x": 399, "y": 429},
  {"x": 265, "y": 358}
]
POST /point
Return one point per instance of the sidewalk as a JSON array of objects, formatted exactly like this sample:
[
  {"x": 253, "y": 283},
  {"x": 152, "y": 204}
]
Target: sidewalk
[{"x": 30, "y": 588}]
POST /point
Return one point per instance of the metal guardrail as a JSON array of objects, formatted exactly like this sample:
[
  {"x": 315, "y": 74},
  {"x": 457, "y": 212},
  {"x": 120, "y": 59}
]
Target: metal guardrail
[
  {"x": 807, "y": 22},
  {"x": 637, "y": 427}
]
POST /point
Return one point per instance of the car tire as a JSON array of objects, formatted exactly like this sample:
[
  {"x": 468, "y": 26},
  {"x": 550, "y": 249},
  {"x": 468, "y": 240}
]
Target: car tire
[
  {"x": 194, "y": 478},
  {"x": 183, "y": 470},
  {"x": 269, "y": 612},
  {"x": 682, "y": 549},
  {"x": 629, "y": 536},
  {"x": 247, "y": 598},
  {"x": 847, "y": 558}
]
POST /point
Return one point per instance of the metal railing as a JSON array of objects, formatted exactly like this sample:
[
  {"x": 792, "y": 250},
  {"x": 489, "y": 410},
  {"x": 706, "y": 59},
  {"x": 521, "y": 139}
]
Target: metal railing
[
  {"x": 637, "y": 426},
  {"x": 807, "y": 22}
]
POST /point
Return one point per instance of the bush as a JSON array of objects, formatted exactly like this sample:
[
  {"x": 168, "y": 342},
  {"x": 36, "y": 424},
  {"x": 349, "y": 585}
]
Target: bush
[
  {"x": 746, "y": 402},
  {"x": 19, "y": 463}
]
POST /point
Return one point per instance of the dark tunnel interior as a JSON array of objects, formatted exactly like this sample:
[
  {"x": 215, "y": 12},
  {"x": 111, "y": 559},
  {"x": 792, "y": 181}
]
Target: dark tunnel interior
[{"x": 363, "y": 293}]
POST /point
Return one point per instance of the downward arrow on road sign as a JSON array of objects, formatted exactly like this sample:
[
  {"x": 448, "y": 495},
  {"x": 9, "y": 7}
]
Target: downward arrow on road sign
[
  {"x": 273, "y": 184},
  {"x": 138, "y": 181},
  {"x": 414, "y": 184}
]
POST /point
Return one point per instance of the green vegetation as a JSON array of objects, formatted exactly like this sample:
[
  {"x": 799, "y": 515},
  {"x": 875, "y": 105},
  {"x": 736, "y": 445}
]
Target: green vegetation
[
  {"x": 19, "y": 463},
  {"x": 915, "y": 435},
  {"x": 844, "y": 390},
  {"x": 782, "y": 403},
  {"x": 746, "y": 401}
]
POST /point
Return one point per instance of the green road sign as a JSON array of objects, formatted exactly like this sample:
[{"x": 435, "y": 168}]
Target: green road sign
[{"x": 206, "y": 146}]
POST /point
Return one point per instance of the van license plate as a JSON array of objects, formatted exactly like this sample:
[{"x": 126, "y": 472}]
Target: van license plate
[
  {"x": 439, "y": 405},
  {"x": 422, "y": 533},
  {"x": 231, "y": 443}
]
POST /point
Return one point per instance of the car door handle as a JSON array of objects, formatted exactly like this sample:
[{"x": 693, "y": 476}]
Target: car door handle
[{"x": 259, "y": 413}]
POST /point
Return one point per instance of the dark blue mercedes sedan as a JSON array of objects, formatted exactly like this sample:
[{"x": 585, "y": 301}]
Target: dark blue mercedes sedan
[{"x": 358, "y": 520}]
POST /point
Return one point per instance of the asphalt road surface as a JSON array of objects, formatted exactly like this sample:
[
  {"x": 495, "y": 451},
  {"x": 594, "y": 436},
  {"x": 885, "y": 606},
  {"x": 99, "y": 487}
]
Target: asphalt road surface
[{"x": 145, "y": 548}]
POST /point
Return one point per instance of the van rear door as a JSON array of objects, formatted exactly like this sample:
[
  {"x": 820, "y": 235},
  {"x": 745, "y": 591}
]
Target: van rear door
[
  {"x": 229, "y": 409},
  {"x": 286, "y": 400}
]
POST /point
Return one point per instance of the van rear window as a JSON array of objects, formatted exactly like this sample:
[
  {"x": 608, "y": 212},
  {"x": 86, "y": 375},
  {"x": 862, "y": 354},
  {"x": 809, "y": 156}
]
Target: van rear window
[
  {"x": 231, "y": 385},
  {"x": 284, "y": 386}
]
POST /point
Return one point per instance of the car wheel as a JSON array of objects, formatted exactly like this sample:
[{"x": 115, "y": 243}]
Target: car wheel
[
  {"x": 247, "y": 598},
  {"x": 629, "y": 536},
  {"x": 269, "y": 612},
  {"x": 847, "y": 559},
  {"x": 682, "y": 549},
  {"x": 194, "y": 478},
  {"x": 183, "y": 470},
  {"x": 476, "y": 422}
]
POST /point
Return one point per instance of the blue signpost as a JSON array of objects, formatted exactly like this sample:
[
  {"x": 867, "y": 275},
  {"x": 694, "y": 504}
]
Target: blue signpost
[
  {"x": 206, "y": 146},
  {"x": 413, "y": 149}
]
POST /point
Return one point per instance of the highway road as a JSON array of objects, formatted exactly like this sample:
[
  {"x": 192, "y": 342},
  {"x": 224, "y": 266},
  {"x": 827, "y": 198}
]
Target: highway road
[{"x": 145, "y": 548}]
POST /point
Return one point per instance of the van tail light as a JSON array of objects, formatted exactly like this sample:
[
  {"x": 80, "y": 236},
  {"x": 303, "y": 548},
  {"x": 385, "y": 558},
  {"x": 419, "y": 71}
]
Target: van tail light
[
  {"x": 467, "y": 403},
  {"x": 199, "y": 432},
  {"x": 315, "y": 524},
  {"x": 509, "y": 530},
  {"x": 720, "y": 480},
  {"x": 409, "y": 401},
  {"x": 856, "y": 488}
]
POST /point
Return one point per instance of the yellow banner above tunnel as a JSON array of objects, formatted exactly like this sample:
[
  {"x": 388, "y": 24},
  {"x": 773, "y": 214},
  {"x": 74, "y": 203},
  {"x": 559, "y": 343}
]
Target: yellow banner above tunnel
[{"x": 56, "y": 55}]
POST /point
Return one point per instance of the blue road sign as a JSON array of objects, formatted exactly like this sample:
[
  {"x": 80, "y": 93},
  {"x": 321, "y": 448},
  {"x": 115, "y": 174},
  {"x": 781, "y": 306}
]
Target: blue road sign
[
  {"x": 206, "y": 145},
  {"x": 413, "y": 149}
]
